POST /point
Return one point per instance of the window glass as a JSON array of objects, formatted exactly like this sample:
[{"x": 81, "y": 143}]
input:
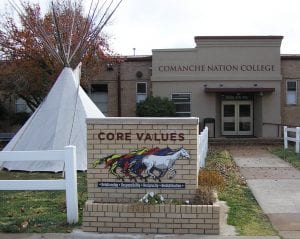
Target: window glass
[
  {"x": 99, "y": 88},
  {"x": 229, "y": 126},
  {"x": 229, "y": 110},
  {"x": 141, "y": 88},
  {"x": 141, "y": 91},
  {"x": 245, "y": 110},
  {"x": 291, "y": 92},
  {"x": 291, "y": 85},
  {"x": 21, "y": 106},
  {"x": 140, "y": 97},
  {"x": 245, "y": 126},
  {"x": 99, "y": 95},
  {"x": 182, "y": 103}
]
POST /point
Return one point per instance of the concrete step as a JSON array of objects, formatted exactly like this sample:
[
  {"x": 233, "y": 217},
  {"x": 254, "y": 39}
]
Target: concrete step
[{"x": 246, "y": 141}]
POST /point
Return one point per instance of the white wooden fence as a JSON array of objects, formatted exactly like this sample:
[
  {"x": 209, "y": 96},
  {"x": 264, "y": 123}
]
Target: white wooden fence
[
  {"x": 288, "y": 138},
  {"x": 202, "y": 147},
  {"x": 69, "y": 184}
]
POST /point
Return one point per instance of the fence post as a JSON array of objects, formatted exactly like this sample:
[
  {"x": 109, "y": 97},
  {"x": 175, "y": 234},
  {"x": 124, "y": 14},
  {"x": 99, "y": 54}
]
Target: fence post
[
  {"x": 285, "y": 135},
  {"x": 297, "y": 139},
  {"x": 206, "y": 142},
  {"x": 71, "y": 184}
]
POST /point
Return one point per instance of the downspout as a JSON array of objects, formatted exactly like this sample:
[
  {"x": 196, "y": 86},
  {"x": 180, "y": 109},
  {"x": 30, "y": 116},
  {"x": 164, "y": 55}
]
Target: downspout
[{"x": 119, "y": 90}]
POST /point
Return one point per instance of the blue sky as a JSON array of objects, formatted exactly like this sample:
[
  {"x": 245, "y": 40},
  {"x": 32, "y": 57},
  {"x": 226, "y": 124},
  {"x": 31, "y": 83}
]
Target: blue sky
[{"x": 156, "y": 24}]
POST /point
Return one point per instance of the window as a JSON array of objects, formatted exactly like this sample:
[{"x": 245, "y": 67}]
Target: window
[
  {"x": 182, "y": 103},
  {"x": 291, "y": 92},
  {"x": 21, "y": 106},
  {"x": 99, "y": 93},
  {"x": 141, "y": 91}
]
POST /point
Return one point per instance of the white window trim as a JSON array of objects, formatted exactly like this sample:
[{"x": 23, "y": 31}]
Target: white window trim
[
  {"x": 296, "y": 92},
  {"x": 183, "y": 93}
]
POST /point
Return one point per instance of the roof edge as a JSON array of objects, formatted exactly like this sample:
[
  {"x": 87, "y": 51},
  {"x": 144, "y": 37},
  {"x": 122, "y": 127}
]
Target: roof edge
[
  {"x": 251, "y": 37},
  {"x": 290, "y": 56}
]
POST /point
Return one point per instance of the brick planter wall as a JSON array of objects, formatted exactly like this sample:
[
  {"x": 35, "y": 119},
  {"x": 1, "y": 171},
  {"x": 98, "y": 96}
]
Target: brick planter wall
[{"x": 139, "y": 218}]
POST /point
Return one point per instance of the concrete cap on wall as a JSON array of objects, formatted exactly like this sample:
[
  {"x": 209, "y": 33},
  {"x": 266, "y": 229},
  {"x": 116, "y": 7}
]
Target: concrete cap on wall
[
  {"x": 238, "y": 41},
  {"x": 143, "y": 120}
]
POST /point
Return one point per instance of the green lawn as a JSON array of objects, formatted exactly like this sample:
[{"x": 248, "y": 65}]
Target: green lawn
[
  {"x": 45, "y": 211},
  {"x": 288, "y": 155},
  {"x": 244, "y": 213},
  {"x": 37, "y": 211}
]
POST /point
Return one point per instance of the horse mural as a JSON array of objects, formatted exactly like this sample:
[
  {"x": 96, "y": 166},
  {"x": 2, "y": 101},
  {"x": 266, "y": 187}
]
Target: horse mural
[
  {"x": 144, "y": 163},
  {"x": 163, "y": 164}
]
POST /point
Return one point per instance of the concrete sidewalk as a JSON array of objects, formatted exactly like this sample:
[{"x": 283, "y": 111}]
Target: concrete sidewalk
[
  {"x": 275, "y": 185},
  {"x": 77, "y": 234}
]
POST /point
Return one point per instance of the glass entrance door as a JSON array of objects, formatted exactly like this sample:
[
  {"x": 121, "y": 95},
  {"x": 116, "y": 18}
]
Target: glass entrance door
[{"x": 237, "y": 118}]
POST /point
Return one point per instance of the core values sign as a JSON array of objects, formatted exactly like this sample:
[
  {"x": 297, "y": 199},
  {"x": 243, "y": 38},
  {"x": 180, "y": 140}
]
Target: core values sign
[{"x": 139, "y": 154}]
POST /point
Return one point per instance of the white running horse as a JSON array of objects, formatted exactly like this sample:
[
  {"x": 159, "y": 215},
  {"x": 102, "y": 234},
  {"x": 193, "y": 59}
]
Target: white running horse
[{"x": 163, "y": 163}]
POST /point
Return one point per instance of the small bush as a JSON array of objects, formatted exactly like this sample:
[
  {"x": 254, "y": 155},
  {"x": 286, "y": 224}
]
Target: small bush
[
  {"x": 204, "y": 196},
  {"x": 211, "y": 180},
  {"x": 156, "y": 107}
]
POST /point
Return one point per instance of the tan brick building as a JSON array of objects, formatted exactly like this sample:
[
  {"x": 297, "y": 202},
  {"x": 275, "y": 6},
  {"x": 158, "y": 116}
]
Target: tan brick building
[{"x": 117, "y": 90}]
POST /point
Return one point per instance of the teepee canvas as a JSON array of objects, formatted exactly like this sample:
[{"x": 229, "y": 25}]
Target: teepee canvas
[{"x": 59, "y": 121}]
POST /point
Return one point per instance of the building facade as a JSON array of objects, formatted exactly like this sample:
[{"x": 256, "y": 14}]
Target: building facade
[
  {"x": 238, "y": 86},
  {"x": 233, "y": 81}
]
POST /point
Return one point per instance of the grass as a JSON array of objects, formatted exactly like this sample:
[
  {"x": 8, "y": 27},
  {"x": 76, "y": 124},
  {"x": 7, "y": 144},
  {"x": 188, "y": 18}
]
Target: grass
[
  {"x": 45, "y": 211},
  {"x": 244, "y": 213},
  {"x": 289, "y": 155},
  {"x": 37, "y": 211}
]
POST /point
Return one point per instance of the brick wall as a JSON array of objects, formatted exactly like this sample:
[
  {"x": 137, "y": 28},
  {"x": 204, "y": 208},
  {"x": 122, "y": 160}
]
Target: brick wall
[
  {"x": 137, "y": 218},
  {"x": 129, "y": 80}
]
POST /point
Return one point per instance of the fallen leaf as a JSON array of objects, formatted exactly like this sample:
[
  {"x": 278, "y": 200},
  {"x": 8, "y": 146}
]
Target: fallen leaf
[{"x": 24, "y": 224}]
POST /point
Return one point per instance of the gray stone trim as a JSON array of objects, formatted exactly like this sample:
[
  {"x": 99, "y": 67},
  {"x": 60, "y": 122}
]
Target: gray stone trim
[{"x": 143, "y": 120}]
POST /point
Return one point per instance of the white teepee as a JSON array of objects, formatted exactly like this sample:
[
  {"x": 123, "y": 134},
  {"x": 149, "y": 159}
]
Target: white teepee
[{"x": 59, "y": 121}]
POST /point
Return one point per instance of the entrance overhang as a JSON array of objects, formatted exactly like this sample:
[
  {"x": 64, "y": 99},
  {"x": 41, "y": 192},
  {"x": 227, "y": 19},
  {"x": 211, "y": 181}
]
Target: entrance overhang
[{"x": 238, "y": 90}]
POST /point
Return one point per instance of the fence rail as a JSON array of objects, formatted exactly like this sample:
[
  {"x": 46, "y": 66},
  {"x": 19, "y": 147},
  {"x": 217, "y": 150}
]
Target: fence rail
[
  {"x": 69, "y": 184},
  {"x": 289, "y": 138},
  {"x": 202, "y": 147}
]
